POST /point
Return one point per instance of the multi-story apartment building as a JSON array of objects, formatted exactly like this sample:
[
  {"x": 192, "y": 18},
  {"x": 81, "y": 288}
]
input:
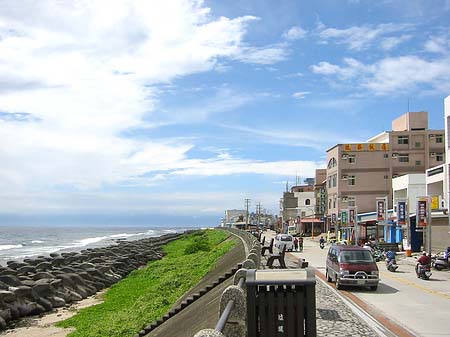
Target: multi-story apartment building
[{"x": 359, "y": 173}]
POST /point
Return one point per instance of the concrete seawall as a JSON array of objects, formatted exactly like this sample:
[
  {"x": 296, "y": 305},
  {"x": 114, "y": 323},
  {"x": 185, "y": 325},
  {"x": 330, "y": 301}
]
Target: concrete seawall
[{"x": 38, "y": 285}]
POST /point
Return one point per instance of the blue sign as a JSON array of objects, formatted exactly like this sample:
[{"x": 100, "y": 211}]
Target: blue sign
[{"x": 401, "y": 213}]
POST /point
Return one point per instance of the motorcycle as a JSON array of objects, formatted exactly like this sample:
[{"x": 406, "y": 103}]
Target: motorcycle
[
  {"x": 423, "y": 271},
  {"x": 391, "y": 263},
  {"x": 441, "y": 262},
  {"x": 322, "y": 245}
]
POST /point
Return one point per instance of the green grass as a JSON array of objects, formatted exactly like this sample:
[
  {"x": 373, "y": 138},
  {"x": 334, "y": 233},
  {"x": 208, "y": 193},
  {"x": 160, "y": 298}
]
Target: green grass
[{"x": 148, "y": 293}]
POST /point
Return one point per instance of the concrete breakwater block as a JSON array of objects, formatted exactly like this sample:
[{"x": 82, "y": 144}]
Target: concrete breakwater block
[{"x": 38, "y": 285}]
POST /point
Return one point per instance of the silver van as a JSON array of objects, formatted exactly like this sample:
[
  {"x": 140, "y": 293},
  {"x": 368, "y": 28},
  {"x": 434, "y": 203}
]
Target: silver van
[{"x": 284, "y": 239}]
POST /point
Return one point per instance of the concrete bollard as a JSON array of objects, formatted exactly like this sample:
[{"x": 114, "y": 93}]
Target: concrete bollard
[
  {"x": 209, "y": 333},
  {"x": 241, "y": 273},
  {"x": 249, "y": 264},
  {"x": 255, "y": 258},
  {"x": 235, "y": 326}
]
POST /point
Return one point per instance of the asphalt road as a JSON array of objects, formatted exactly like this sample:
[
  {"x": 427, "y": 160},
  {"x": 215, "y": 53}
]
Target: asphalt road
[{"x": 419, "y": 306}]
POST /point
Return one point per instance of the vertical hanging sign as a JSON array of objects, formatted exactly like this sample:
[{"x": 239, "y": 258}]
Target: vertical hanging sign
[
  {"x": 351, "y": 217},
  {"x": 344, "y": 217},
  {"x": 401, "y": 213},
  {"x": 381, "y": 210},
  {"x": 422, "y": 212}
]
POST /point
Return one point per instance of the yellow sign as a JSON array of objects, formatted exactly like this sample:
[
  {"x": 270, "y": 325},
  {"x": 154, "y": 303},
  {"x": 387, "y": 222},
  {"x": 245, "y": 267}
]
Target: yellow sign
[
  {"x": 348, "y": 147},
  {"x": 360, "y": 147},
  {"x": 372, "y": 147},
  {"x": 385, "y": 147},
  {"x": 435, "y": 202}
]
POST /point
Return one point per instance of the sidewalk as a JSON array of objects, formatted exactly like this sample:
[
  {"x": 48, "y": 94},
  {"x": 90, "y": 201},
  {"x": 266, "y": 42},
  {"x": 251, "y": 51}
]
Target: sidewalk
[{"x": 334, "y": 317}]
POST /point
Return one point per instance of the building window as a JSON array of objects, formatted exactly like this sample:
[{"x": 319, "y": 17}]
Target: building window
[
  {"x": 329, "y": 204},
  {"x": 403, "y": 139},
  {"x": 334, "y": 180},
  {"x": 386, "y": 155},
  {"x": 332, "y": 163},
  {"x": 334, "y": 203},
  {"x": 418, "y": 163},
  {"x": 439, "y": 157},
  {"x": 351, "y": 201},
  {"x": 303, "y": 214},
  {"x": 351, "y": 180},
  {"x": 386, "y": 177},
  {"x": 417, "y": 144},
  {"x": 439, "y": 138},
  {"x": 403, "y": 158},
  {"x": 307, "y": 202},
  {"x": 329, "y": 182},
  {"x": 351, "y": 159}
]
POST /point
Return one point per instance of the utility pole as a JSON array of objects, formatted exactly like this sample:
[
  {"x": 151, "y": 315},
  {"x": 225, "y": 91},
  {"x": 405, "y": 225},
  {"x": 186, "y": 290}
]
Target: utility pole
[
  {"x": 258, "y": 211},
  {"x": 247, "y": 204}
]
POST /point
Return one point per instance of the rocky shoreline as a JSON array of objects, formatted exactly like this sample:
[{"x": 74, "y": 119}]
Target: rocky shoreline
[{"x": 39, "y": 285}]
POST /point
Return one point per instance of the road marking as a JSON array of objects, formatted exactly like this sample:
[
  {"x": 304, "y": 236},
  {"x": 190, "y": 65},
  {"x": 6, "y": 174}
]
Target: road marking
[{"x": 415, "y": 285}]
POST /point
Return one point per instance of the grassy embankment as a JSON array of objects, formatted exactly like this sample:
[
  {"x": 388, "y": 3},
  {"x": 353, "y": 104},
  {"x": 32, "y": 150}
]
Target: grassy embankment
[{"x": 148, "y": 293}]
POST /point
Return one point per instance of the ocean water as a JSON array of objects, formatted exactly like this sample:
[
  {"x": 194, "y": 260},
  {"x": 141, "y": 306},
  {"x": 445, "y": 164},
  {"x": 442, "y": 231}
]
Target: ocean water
[{"x": 19, "y": 242}]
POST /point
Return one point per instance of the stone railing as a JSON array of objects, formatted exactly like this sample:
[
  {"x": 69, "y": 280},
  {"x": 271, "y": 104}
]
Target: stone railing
[{"x": 233, "y": 309}]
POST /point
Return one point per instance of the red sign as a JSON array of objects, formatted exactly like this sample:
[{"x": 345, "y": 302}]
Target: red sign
[
  {"x": 381, "y": 210},
  {"x": 422, "y": 213}
]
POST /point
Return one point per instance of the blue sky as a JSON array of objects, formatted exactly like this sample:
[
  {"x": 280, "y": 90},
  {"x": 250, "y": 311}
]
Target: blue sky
[{"x": 145, "y": 109}]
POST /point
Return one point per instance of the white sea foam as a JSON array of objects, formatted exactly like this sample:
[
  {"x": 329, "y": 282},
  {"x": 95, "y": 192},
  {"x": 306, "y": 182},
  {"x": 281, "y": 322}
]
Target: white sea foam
[
  {"x": 37, "y": 241},
  {"x": 6, "y": 247}
]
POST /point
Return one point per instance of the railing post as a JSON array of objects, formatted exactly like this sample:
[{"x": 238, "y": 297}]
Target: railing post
[{"x": 235, "y": 326}]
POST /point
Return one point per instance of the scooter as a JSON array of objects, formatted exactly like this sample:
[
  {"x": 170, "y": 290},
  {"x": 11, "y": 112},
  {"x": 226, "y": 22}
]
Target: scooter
[
  {"x": 423, "y": 271},
  {"x": 441, "y": 262},
  {"x": 391, "y": 263}
]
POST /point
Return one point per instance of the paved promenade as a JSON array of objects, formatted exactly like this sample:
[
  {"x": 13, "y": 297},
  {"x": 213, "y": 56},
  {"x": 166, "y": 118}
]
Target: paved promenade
[{"x": 335, "y": 318}]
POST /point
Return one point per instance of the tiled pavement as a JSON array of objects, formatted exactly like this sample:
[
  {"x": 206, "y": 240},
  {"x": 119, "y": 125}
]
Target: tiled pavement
[{"x": 334, "y": 317}]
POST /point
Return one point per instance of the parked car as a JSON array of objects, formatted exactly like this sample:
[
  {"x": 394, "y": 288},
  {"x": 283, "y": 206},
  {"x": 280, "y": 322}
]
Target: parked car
[
  {"x": 284, "y": 239},
  {"x": 351, "y": 266}
]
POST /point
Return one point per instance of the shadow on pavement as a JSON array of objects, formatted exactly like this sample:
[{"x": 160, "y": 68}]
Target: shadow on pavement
[{"x": 382, "y": 289}]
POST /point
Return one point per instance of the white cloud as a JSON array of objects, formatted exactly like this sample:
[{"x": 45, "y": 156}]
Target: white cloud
[
  {"x": 294, "y": 33},
  {"x": 300, "y": 94},
  {"x": 84, "y": 71},
  {"x": 392, "y": 75},
  {"x": 262, "y": 55},
  {"x": 438, "y": 44},
  {"x": 392, "y": 42},
  {"x": 362, "y": 37}
]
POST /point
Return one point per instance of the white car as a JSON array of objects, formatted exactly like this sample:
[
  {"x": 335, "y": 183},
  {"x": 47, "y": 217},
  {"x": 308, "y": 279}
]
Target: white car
[{"x": 284, "y": 239}]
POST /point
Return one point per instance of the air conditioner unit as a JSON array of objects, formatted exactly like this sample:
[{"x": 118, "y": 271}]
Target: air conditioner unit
[
  {"x": 344, "y": 156},
  {"x": 432, "y": 154},
  {"x": 344, "y": 177},
  {"x": 432, "y": 136},
  {"x": 394, "y": 155}
]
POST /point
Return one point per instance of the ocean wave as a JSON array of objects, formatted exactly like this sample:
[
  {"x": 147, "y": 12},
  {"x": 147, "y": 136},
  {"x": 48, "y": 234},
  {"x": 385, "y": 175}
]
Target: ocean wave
[
  {"x": 6, "y": 247},
  {"x": 37, "y": 241}
]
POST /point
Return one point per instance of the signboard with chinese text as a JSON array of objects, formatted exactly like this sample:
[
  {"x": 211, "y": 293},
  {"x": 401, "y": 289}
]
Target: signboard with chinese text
[
  {"x": 360, "y": 147},
  {"x": 348, "y": 147},
  {"x": 422, "y": 212},
  {"x": 401, "y": 213},
  {"x": 372, "y": 147},
  {"x": 351, "y": 217},
  {"x": 344, "y": 217},
  {"x": 381, "y": 209}
]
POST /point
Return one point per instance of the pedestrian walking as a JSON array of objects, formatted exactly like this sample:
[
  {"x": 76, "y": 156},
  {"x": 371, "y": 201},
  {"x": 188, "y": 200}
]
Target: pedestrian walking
[{"x": 295, "y": 244}]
